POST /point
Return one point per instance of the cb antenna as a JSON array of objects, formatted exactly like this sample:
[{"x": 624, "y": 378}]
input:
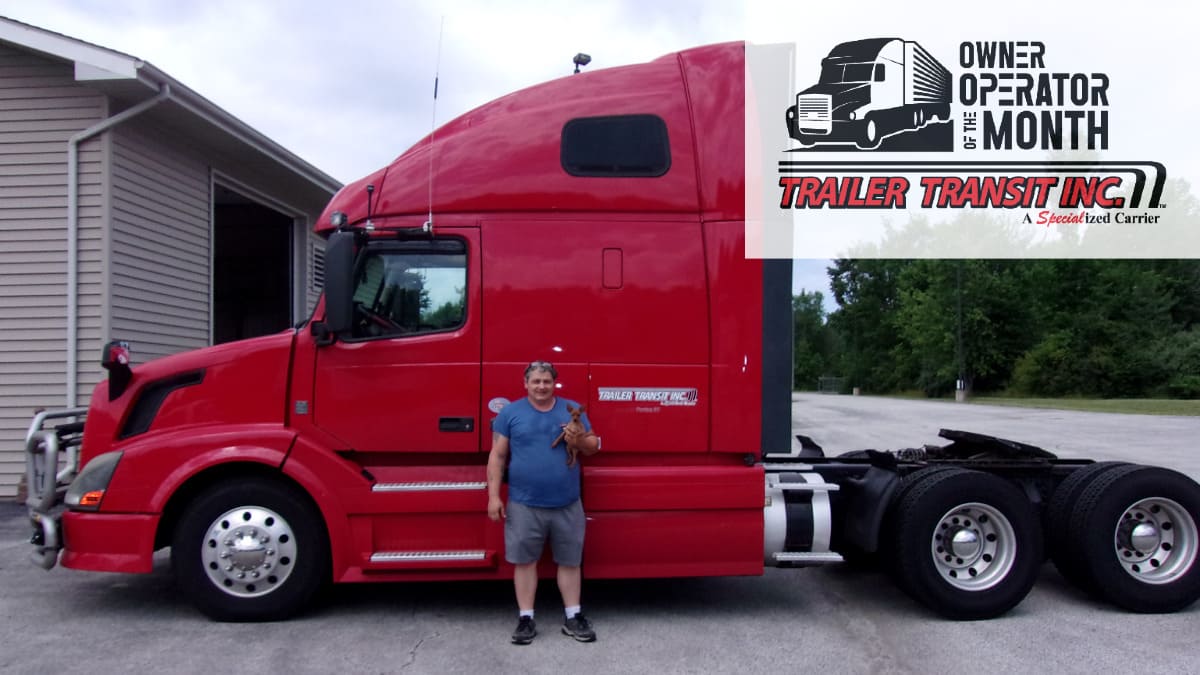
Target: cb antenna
[
  {"x": 433, "y": 121},
  {"x": 369, "y": 226}
]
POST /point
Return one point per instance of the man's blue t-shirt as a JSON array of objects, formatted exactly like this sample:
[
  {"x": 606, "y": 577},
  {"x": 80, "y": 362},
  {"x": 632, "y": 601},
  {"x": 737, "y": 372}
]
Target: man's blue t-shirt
[{"x": 538, "y": 474}]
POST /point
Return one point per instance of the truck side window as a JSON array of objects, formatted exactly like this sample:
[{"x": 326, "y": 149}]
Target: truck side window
[
  {"x": 616, "y": 146},
  {"x": 410, "y": 288}
]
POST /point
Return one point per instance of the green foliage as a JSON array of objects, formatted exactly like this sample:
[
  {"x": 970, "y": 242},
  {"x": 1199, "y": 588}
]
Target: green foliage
[
  {"x": 867, "y": 294},
  {"x": 1099, "y": 328},
  {"x": 810, "y": 343}
]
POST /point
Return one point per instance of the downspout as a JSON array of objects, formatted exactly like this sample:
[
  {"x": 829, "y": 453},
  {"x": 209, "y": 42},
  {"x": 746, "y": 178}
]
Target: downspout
[{"x": 164, "y": 93}]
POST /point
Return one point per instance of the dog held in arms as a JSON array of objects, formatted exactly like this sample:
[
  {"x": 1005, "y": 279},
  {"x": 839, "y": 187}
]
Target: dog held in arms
[{"x": 576, "y": 426}]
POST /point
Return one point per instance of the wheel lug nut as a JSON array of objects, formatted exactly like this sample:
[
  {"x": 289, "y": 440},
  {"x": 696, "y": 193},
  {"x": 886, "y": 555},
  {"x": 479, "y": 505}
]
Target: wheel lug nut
[
  {"x": 264, "y": 540},
  {"x": 254, "y": 574},
  {"x": 241, "y": 575}
]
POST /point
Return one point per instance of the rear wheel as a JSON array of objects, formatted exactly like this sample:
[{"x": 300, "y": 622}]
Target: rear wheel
[
  {"x": 250, "y": 550},
  {"x": 1062, "y": 550},
  {"x": 968, "y": 544},
  {"x": 1136, "y": 531}
]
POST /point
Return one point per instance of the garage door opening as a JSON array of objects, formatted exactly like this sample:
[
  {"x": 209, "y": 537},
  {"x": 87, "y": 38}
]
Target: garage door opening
[{"x": 252, "y": 268}]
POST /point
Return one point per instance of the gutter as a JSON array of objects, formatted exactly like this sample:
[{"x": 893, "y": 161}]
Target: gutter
[
  {"x": 208, "y": 111},
  {"x": 164, "y": 94},
  {"x": 168, "y": 90}
]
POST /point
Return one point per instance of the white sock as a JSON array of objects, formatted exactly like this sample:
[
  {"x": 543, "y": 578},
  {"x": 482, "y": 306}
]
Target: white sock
[
  {"x": 572, "y": 611},
  {"x": 527, "y": 612}
]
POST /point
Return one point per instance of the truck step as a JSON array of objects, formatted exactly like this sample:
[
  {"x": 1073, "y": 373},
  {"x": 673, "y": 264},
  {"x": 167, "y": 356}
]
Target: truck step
[
  {"x": 429, "y": 486},
  {"x": 432, "y": 559},
  {"x": 822, "y": 558},
  {"x": 810, "y": 487}
]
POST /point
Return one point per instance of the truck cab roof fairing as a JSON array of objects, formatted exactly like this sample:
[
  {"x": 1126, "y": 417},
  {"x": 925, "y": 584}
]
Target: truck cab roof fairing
[{"x": 505, "y": 155}]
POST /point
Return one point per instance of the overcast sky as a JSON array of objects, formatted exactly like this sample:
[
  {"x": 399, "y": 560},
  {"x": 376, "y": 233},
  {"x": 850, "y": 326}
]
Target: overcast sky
[{"x": 348, "y": 85}]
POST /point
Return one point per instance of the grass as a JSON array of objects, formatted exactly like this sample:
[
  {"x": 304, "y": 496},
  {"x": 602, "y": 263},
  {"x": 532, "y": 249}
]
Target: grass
[{"x": 1135, "y": 406}]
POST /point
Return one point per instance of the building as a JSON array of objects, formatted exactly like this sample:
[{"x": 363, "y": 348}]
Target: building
[{"x": 133, "y": 208}]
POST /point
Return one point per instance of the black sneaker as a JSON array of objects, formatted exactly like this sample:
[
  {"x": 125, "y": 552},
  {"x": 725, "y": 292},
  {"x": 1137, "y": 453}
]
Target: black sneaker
[
  {"x": 526, "y": 630},
  {"x": 579, "y": 628}
]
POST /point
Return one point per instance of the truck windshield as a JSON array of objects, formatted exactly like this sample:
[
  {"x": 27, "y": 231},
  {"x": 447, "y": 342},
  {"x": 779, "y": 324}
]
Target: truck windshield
[{"x": 835, "y": 73}]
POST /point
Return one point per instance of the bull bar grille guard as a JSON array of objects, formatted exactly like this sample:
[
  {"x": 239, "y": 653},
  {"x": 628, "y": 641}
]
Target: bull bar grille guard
[{"x": 51, "y": 463}]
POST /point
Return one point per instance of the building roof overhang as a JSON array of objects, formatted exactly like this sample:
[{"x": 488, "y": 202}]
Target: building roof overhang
[{"x": 129, "y": 81}]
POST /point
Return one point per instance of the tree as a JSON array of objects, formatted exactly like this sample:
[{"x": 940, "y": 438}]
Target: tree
[
  {"x": 866, "y": 291},
  {"x": 810, "y": 343},
  {"x": 967, "y": 319}
]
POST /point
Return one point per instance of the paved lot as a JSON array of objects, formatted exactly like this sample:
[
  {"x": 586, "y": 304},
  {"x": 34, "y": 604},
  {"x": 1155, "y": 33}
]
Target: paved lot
[{"x": 822, "y": 620}]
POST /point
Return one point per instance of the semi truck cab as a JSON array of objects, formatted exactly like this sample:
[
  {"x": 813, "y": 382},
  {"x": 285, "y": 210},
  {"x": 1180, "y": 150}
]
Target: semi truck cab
[{"x": 598, "y": 222}]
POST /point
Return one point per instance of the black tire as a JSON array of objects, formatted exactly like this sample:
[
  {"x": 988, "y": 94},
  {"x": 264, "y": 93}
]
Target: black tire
[
  {"x": 870, "y": 134},
  {"x": 250, "y": 550},
  {"x": 805, "y": 141},
  {"x": 888, "y": 544},
  {"x": 968, "y": 544},
  {"x": 1137, "y": 535},
  {"x": 1057, "y": 520}
]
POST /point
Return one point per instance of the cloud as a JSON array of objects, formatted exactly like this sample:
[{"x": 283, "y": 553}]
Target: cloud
[{"x": 348, "y": 86}]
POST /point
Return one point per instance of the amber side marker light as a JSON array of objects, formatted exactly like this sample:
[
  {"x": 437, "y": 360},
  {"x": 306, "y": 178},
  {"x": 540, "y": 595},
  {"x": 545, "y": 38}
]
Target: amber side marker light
[{"x": 92, "y": 498}]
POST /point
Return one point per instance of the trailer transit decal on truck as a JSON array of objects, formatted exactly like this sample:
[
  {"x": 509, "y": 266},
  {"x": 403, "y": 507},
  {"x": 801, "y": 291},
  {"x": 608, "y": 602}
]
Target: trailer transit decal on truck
[{"x": 663, "y": 397}]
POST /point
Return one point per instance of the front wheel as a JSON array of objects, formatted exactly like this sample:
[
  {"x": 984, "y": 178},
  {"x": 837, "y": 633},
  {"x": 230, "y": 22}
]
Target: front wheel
[
  {"x": 1137, "y": 535},
  {"x": 869, "y": 138},
  {"x": 250, "y": 550},
  {"x": 968, "y": 544}
]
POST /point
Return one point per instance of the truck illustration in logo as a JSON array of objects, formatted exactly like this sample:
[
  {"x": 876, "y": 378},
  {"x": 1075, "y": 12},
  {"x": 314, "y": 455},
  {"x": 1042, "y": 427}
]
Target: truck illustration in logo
[{"x": 869, "y": 90}]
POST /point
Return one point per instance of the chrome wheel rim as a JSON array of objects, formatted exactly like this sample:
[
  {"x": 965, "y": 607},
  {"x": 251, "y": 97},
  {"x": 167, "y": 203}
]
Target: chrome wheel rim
[
  {"x": 974, "y": 547},
  {"x": 1155, "y": 540},
  {"x": 249, "y": 551}
]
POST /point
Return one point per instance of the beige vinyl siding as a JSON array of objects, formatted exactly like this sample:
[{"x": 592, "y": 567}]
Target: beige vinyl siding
[
  {"x": 41, "y": 107},
  {"x": 314, "y": 275},
  {"x": 161, "y": 244}
]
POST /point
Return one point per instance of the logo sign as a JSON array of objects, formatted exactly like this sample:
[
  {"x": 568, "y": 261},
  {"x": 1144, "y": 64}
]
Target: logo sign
[
  {"x": 661, "y": 396},
  {"x": 953, "y": 143},
  {"x": 874, "y": 90}
]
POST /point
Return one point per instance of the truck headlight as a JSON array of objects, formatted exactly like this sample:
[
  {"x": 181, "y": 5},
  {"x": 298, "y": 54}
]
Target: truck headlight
[
  {"x": 87, "y": 490},
  {"x": 853, "y": 115}
]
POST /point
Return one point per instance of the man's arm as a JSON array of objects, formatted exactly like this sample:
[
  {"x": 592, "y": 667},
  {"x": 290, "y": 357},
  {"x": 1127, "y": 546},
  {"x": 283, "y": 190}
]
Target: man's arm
[
  {"x": 587, "y": 442},
  {"x": 497, "y": 461}
]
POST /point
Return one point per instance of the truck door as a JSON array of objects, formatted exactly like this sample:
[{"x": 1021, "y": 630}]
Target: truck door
[{"x": 407, "y": 379}]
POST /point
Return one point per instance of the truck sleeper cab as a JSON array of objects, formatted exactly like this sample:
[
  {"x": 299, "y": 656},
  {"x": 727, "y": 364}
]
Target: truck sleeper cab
[{"x": 598, "y": 222}]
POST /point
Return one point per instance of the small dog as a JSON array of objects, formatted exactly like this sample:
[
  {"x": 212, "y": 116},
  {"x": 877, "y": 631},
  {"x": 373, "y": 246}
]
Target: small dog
[{"x": 574, "y": 425}]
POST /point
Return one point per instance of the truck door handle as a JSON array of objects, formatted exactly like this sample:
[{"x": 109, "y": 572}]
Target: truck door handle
[{"x": 466, "y": 424}]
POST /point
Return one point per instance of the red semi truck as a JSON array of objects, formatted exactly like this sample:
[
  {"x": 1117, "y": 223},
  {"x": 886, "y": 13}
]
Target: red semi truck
[{"x": 596, "y": 221}]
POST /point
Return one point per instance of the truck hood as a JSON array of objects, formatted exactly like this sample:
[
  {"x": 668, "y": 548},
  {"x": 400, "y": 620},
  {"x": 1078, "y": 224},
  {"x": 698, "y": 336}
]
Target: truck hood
[{"x": 242, "y": 382}]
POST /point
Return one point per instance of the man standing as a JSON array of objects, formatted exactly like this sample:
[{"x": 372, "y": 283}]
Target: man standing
[{"x": 543, "y": 496}]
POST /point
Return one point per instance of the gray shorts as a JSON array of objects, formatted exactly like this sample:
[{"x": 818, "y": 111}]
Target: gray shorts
[{"x": 527, "y": 527}]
